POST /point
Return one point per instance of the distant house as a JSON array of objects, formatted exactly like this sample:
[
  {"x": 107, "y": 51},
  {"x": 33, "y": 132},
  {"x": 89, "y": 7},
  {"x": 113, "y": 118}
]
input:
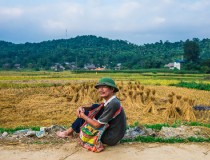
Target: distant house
[
  {"x": 17, "y": 66},
  {"x": 118, "y": 66},
  {"x": 71, "y": 66},
  {"x": 174, "y": 65},
  {"x": 58, "y": 67},
  {"x": 90, "y": 67},
  {"x": 6, "y": 65}
]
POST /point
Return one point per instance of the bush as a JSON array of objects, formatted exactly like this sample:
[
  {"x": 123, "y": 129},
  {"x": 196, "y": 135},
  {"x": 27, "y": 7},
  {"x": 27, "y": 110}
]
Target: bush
[{"x": 193, "y": 85}]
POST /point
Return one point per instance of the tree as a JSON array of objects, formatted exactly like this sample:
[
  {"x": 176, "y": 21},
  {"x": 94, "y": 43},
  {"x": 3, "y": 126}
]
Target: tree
[
  {"x": 206, "y": 66},
  {"x": 102, "y": 51},
  {"x": 191, "y": 51}
]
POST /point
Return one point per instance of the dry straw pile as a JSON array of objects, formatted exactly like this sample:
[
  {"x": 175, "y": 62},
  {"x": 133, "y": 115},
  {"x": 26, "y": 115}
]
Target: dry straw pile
[
  {"x": 57, "y": 105},
  {"x": 146, "y": 106}
]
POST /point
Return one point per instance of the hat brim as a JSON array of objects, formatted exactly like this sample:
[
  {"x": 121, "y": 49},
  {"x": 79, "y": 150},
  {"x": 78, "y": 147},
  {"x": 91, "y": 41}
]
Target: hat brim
[{"x": 105, "y": 84}]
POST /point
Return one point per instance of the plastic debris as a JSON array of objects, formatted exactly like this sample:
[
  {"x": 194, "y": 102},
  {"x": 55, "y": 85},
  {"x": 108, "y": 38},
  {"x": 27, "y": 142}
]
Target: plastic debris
[
  {"x": 41, "y": 133},
  {"x": 22, "y": 131}
]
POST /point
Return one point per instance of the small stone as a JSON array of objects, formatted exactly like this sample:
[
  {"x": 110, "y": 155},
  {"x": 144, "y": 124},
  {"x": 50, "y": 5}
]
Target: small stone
[
  {"x": 150, "y": 132},
  {"x": 55, "y": 128},
  {"x": 5, "y": 134},
  {"x": 30, "y": 133}
]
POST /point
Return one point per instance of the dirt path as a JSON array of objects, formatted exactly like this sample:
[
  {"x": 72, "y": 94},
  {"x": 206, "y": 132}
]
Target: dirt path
[{"x": 126, "y": 151}]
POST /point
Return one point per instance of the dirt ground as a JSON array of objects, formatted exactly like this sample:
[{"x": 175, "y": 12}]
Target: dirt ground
[{"x": 125, "y": 151}]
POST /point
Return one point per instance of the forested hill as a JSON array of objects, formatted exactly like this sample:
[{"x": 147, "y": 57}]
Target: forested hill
[{"x": 94, "y": 50}]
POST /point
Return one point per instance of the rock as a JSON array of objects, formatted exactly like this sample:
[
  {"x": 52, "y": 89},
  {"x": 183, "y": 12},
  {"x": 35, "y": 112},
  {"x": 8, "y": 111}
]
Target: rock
[
  {"x": 150, "y": 132},
  {"x": 132, "y": 133},
  {"x": 55, "y": 128},
  {"x": 30, "y": 134},
  {"x": 5, "y": 134},
  {"x": 166, "y": 132}
]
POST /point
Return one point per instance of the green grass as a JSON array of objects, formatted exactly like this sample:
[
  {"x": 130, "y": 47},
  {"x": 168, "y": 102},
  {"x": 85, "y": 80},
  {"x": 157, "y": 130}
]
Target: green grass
[
  {"x": 176, "y": 124},
  {"x": 193, "y": 85},
  {"x": 12, "y": 130},
  {"x": 156, "y": 126},
  {"x": 149, "y": 139},
  {"x": 196, "y": 124}
]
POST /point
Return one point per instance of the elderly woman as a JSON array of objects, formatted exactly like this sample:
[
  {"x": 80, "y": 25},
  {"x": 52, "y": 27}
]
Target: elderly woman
[{"x": 106, "y": 88}]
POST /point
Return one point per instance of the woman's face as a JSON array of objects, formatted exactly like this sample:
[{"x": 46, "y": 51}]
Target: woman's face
[{"x": 105, "y": 92}]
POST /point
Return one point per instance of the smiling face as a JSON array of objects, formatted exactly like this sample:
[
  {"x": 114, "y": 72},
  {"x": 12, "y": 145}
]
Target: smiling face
[{"x": 105, "y": 92}]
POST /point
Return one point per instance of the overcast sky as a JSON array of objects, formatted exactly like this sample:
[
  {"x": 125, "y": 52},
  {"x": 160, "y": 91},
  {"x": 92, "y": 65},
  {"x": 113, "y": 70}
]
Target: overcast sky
[{"x": 137, "y": 21}]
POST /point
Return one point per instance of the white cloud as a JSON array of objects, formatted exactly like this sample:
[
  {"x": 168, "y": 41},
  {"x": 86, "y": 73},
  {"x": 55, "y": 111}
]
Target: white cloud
[
  {"x": 10, "y": 13},
  {"x": 159, "y": 20},
  {"x": 134, "y": 20}
]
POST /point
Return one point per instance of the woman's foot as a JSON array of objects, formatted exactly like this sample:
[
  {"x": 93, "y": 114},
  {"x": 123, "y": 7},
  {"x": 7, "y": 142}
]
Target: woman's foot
[{"x": 63, "y": 134}]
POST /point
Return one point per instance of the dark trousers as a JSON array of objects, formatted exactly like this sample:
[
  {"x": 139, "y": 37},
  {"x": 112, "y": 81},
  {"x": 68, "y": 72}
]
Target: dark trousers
[{"x": 79, "y": 121}]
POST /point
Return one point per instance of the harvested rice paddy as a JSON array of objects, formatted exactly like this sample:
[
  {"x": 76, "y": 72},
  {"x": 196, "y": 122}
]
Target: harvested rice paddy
[{"x": 46, "y": 98}]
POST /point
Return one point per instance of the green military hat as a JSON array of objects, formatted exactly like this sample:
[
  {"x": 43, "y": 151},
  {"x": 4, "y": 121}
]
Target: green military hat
[{"x": 107, "y": 82}]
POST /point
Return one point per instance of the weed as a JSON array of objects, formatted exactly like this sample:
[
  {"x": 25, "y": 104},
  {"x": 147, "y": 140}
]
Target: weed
[
  {"x": 12, "y": 130},
  {"x": 193, "y": 85},
  {"x": 149, "y": 139}
]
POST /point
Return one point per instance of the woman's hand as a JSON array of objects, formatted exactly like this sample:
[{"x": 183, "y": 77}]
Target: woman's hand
[
  {"x": 82, "y": 115},
  {"x": 79, "y": 111}
]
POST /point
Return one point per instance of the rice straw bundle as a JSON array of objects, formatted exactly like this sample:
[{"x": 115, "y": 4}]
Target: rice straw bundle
[
  {"x": 188, "y": 113},
  {"x": 150, "y": 108},
  {"x": 170, "y": 111}
]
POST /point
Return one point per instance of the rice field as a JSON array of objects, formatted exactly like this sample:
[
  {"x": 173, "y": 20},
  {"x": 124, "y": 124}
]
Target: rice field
[{"x": 46, "y": 98}]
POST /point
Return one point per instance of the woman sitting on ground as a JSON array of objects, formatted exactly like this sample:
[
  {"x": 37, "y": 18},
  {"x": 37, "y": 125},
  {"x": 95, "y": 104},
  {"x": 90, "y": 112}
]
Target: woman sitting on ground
[{"x": 106, "y": 88}]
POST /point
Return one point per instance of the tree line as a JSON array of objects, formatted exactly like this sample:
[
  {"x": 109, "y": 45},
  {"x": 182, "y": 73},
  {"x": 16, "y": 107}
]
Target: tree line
[{"x": 104, "y": 52}]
